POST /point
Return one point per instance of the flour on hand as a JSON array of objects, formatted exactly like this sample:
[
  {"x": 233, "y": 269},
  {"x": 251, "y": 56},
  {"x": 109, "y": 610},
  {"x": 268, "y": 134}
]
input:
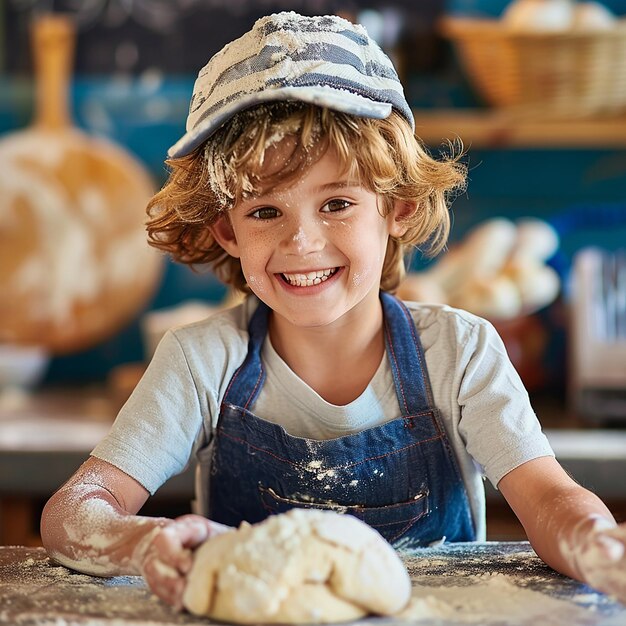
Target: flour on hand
[
  {"x": 304, "y": 566},
  {"x": 598, "y": 550}
]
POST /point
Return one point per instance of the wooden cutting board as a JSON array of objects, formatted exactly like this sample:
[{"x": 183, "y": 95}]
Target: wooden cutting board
[{"x": 74, "y": 263}]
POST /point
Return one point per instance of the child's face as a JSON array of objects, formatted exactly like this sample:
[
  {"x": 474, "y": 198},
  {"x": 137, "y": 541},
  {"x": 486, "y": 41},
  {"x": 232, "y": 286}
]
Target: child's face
[{"x": 312, "y": 251}]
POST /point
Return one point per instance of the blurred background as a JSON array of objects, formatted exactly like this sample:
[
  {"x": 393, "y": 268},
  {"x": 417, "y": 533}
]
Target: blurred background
[{"x": 534, "y": 89}]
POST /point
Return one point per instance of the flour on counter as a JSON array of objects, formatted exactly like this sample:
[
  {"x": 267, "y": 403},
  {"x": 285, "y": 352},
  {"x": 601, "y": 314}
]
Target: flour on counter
[
  {"x": 39, "y": 592},
  {"x": 499, "y": 584},
  {"x": 493, "y": 599}
]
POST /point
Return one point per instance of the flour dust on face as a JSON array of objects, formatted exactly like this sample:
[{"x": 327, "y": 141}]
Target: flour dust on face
[{"x": 313, "y": 251}]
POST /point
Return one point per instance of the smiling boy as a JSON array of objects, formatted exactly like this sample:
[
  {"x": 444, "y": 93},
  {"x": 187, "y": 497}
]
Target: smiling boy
[{"x": 300, "y": 181}]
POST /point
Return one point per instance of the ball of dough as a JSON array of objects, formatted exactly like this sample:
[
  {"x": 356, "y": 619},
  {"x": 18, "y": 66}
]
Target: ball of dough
[{"x": 303, "y": 566}]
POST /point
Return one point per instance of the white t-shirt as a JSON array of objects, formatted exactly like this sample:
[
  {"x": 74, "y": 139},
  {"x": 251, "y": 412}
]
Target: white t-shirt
[{"x": 482, "y": 402}]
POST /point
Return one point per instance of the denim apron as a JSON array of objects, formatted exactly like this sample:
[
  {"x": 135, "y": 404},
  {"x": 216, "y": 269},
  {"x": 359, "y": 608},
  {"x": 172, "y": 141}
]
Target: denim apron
[{"x": 400, "y": 477}]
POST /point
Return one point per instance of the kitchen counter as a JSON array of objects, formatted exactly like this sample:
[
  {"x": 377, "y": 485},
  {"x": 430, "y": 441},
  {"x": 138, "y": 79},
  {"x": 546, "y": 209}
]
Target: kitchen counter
[
  {"x": 44, "y": 438},
  {"x": 484, "y": 583}
]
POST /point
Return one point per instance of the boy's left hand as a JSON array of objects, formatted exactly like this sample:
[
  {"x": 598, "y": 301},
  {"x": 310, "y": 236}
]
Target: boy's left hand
[{"x": 598, "y": 549}]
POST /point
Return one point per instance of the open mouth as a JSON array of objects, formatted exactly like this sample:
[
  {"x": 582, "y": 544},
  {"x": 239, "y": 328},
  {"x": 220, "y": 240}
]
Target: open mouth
[{"x": 310, "y": 278}]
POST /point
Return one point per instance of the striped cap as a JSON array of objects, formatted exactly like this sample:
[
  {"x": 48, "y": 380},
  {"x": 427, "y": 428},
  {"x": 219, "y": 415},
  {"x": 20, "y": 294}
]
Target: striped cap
[{"x": 324, "y": 60}]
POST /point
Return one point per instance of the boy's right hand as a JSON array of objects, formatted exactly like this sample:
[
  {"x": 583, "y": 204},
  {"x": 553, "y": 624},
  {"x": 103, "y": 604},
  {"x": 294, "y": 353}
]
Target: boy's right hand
[{"x": 164, "y": 555}]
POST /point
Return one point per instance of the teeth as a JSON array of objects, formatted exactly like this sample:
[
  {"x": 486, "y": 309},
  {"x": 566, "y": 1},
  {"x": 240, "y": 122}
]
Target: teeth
[{"x": 309, "y": 279}]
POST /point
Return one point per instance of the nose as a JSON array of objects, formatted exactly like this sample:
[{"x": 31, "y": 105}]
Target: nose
[{"x": 303, "y": 236}]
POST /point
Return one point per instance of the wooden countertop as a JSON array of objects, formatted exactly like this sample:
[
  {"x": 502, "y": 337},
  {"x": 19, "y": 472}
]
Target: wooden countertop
[{"x": 484, "y": 583}]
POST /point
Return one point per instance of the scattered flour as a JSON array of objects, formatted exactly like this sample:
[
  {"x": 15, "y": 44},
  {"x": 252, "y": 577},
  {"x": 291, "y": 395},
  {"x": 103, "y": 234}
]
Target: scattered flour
[
  {"x": 96, "y": 530},
  {"x": 447, "y": 591},
  {"x": 597, "y": 549},
  {"x": 493, "y": 599},
  {"x": 500, "y": 584}
]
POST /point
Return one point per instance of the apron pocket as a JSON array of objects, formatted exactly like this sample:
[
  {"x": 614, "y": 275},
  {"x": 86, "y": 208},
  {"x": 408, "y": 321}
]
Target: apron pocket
[{"x": 391, "y": 521}]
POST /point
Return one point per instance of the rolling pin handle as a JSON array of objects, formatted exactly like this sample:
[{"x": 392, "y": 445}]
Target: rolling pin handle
[{"x": 53, "y": 40}]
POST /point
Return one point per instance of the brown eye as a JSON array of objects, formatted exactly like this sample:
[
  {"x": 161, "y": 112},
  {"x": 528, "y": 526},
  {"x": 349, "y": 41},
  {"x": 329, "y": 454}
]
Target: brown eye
[
  {"x": 332, "y": 206},
  {"x": 265, "y": 213}
]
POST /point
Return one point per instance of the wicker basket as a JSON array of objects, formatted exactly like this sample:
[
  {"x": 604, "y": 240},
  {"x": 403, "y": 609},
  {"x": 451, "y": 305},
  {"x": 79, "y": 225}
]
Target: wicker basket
[{"x": 544, "y": 74}]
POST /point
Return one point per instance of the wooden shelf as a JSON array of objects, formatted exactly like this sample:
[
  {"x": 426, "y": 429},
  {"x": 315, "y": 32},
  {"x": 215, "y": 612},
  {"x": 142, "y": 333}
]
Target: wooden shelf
[{"x": 482, "y": 128}]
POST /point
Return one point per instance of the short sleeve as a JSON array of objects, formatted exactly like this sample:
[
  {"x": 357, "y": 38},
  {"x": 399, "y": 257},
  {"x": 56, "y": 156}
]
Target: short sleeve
[
  {"x": 498, "y": 423},
  {"x": 153, "y": 435}
]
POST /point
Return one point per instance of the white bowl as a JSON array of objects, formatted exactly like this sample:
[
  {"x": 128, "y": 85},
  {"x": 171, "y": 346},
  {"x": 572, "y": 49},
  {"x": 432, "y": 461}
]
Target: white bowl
[{"x": 22, "y": 366}]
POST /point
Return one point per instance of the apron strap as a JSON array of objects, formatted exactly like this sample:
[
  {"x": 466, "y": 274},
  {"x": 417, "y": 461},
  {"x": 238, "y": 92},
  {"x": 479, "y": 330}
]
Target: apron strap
[
  {"x": 406, "y": 357},
  {"x": 247, "y": 381}
]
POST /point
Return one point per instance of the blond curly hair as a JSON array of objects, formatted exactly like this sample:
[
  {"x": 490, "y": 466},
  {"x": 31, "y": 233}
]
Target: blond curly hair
[{"x": 382, "y": 154}]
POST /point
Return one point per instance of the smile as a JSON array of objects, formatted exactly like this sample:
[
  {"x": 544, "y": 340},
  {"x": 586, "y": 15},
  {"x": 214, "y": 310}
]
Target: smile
[{"x": 310, "y": 278}]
